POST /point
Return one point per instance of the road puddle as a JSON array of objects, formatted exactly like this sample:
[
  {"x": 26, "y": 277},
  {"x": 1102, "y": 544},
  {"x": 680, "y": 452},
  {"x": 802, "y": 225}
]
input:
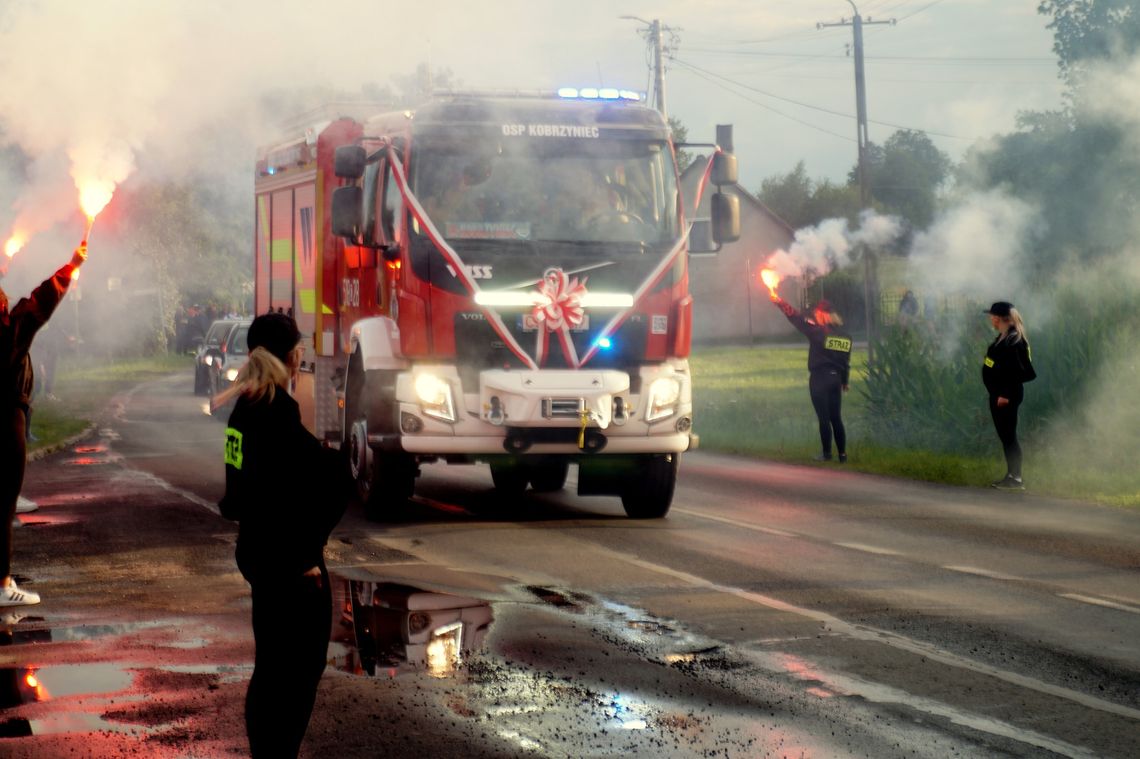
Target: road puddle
[
  {"x": 91, "y": 697},
  {"x": 86, "y": 688},
  {"x": 384, "y": 629}
]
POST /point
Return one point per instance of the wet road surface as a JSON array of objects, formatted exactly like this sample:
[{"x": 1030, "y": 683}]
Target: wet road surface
[{"x": 778, "y": 611}]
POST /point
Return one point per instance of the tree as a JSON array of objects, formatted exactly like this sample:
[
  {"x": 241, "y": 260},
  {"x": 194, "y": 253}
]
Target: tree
[
  {"x": 789, "y": 195},
  {"x": 680, "y": 134},
  {"x": 905, "y": 175},
  {"x": 803, "y": 202},
  {"x": 1077, "y": 164},
  {"x": 1086, "y": 31}
]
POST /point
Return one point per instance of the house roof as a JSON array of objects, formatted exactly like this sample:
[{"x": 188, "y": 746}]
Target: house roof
[{"x": 692, "y": 175}]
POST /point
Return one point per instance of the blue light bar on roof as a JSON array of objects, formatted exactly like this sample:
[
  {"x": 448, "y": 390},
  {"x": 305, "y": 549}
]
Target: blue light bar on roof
[{"x": 599, "y": 93}]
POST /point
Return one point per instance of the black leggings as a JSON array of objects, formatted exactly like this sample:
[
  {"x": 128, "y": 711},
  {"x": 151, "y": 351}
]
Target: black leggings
[
  {"x": 292, "y": 621},
  {"x": 13, "y": 456},
  {"x": 1005, "y": 422},
  {"x": 827, "y": 398}
]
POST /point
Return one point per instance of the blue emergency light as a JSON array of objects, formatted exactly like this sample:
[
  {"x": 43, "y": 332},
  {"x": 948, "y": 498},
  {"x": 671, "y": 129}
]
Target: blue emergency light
[
  {"x": 599, "y": 93},
  {"x": 605, "y": 343}
]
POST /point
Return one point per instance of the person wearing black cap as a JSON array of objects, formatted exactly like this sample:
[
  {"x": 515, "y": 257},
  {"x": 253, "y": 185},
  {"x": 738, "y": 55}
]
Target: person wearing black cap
[
  {"x": 18, "y": 328},
  {"x": 829, "y": 367},
  {"x": 286, "y": 492},
  {"x": 1005, "y": 370}
]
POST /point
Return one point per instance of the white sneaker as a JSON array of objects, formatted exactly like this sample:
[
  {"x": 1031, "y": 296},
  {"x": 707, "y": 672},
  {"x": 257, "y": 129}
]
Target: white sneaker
[
  {"x": 25, "y": 505},
  {"x": 13, "y": 596}
]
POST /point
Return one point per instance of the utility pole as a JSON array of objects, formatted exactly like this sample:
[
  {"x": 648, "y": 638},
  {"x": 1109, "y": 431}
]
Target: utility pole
[
  {"x": 655, "y": 34},
  {"x": 870, "y": 276}
]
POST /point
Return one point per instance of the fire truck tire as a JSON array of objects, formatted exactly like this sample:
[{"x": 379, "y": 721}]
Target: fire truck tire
[
  {"x": 650, "y": 493},
  {"x": 392, "y": 484},
  {"x": 510, "y": 478},
  {"x": 549, "y": 476}
]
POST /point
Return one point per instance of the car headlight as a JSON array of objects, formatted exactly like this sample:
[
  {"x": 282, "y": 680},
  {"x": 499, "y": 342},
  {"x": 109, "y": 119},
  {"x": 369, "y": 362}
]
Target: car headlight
[
  {"x": 231, "y": 374},
  {"x": 664, "y": 392},
  {"x": 435, "y": 396},
  {"x": 208, "y": 361}
]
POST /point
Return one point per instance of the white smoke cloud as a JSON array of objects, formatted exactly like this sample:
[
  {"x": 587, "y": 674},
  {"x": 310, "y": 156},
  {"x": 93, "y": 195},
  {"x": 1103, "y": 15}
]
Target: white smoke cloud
[
  {"x": 829, "y": 244},
  {"x": 1112, "y": 92},
  {"x": 973, "y": 247}
]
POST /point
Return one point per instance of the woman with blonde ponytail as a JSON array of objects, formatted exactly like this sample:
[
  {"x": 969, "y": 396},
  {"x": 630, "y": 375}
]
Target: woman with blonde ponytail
[
  {"x": 1005, "y": 370},
  {"x": 286, "y": 492}
]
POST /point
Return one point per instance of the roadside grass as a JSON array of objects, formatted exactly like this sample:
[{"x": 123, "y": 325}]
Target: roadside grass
[
  {"x": 753, "y": 401},
  {"x": 84, "y": 385}
]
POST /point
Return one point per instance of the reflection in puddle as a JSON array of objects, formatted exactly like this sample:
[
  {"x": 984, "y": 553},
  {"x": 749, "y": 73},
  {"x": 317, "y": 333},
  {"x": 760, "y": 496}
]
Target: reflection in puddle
[
  {"x": 386, "y": 628},
  {"x": 62, "y": 680}
]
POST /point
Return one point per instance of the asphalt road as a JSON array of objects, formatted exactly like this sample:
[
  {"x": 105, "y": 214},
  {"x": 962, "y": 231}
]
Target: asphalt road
[{"x": 778, "y": 611}]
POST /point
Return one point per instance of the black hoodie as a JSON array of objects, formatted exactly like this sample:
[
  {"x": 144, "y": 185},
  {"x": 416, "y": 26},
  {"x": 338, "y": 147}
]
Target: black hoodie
[
  {"x": 1007, "y": 365},
  {"x": 283, "y": 488},
  {"x": 18, "y": 328}
]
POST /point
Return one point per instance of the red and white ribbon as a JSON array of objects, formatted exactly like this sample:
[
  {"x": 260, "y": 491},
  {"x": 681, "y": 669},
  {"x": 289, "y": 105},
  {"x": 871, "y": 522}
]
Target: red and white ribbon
[
  {"x": 454, "y": 260},
  {"x": 560, "y": 303},
  {"x": 558, "y": 309}
]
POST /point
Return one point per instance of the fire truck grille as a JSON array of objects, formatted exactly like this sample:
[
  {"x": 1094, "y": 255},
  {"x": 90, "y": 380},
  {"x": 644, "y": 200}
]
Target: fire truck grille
[{"x": 478, "y": 347}]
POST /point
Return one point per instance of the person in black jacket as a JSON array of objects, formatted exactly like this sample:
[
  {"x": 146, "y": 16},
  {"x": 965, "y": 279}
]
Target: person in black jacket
[
  {"x": 829, "y": 366},
  {"x": 18, "y": 328},
  {"x": 1006, "y": 368},
  {"x": 286, "y": 492}
]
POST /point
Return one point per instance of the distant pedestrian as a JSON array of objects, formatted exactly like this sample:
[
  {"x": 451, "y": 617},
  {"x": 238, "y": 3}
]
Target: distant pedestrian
[
  {"x": 908, "y": 309},
  {"x": 829, "y": 366},
  {"x": 18, "y": 328},
  {"x": 287, "y": 492},
  {"x": 1005, "y": 370}
]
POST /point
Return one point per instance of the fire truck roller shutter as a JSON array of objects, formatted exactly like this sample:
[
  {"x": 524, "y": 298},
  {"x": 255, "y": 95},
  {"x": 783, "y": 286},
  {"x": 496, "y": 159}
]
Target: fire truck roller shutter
[{"x": 378, "y": 340}]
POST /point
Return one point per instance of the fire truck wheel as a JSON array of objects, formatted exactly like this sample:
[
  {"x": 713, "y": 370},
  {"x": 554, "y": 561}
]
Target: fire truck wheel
[
  {"x": 549, "y": 476},
  {"x": 392, "y": 485},
  {"x": 650, "y": 493},
  {"x": 510, "y": 478}
]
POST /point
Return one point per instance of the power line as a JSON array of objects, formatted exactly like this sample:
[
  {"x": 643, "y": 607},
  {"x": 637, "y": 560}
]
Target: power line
[
  {"x": 920, "y": 10},
  {"x": 707, "y": 76},
  {"x": 814, "y": 107},
  {"x": 979, "y": 60}
]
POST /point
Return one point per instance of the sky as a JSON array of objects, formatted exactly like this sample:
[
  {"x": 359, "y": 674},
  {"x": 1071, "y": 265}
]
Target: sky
[
  {"x": 138, "y": 74},
  {"x": 958, "y": 69},
  {"x": 115, "y": 89}
]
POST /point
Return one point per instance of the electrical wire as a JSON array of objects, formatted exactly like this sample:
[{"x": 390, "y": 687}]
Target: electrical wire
[
  {"x": 920, "y": 10},
  {"x": 909, "y": 59},
  {"x": 815, "y": 107},
  {"x": 765, "y": 106}
]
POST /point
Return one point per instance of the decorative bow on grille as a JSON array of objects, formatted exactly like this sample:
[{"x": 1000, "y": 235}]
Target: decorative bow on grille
[{"x": 558, "y": 309}]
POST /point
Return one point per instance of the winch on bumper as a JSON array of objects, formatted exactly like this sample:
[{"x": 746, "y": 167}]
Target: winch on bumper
[{"x": 551, "y": 411}]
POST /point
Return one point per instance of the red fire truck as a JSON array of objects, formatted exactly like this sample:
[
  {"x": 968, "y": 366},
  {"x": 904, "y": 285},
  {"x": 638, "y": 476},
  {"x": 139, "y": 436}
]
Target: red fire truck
[{"x": 493, "y": 279}]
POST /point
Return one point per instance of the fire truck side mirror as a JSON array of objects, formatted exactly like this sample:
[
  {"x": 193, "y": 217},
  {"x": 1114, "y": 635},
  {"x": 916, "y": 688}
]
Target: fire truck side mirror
[
  {"x": 725, "y": 218},
  {"x": 724, "y": 169},
  {"x": 347, "y": 212},
  {"x": 349, "y": 162}
]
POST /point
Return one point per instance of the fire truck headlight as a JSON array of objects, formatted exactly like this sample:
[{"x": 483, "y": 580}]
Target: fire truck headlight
[
  {"x": 208, "y": 360},
  {"x": 231, "y": 374},
  {"x": 435, "y": 396},
  {"x": 664, "y": 392}
]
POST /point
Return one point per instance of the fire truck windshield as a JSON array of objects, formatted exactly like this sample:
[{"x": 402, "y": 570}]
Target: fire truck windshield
[{"x": 602, "y": 191}]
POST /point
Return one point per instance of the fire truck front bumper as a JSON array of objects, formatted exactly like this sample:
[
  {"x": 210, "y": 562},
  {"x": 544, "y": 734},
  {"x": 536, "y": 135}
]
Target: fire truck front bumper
[{"x": 580, "y": 412}]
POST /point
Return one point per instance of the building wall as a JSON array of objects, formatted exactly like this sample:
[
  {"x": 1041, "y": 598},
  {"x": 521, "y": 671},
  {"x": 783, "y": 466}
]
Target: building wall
[{"x": 730, "y": 303}]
